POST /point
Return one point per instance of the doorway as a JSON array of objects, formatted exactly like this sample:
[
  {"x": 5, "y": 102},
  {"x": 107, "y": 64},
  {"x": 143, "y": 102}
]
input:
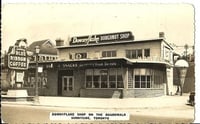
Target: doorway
[{"x": 67, "y": 85}]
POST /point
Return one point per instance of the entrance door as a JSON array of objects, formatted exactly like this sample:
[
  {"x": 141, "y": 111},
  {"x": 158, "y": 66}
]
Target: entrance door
[{"x": 67, "y": 85}]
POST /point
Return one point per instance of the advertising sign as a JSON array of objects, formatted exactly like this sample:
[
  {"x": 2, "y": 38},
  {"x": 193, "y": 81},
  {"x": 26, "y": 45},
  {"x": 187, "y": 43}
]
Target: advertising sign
[
  {"x": 19, "y": 77},
  {"x": 17, "y": 59},
  {"x": 101, "y": 38}
]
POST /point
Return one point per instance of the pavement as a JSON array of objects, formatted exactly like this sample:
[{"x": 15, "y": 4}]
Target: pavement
[
  {"x": 108, "y": 103},
  {"x": 167, "y": 106}
]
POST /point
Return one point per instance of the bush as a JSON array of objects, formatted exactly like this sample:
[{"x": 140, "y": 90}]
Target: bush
[{"x": 5, "y": 85}]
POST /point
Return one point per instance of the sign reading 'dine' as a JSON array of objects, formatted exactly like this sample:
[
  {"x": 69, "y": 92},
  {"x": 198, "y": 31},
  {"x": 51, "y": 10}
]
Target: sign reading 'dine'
[
  {"x": 17, "y": 59},
  {"x": 101, "y": 38}
]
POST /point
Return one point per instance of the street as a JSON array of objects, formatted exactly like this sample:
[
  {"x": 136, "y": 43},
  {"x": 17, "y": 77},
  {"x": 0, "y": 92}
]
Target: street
[{"x": 18, "y": 114}]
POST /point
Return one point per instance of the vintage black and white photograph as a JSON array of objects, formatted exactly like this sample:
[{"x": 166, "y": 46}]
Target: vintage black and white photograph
[{"x": 96, "y": 63}]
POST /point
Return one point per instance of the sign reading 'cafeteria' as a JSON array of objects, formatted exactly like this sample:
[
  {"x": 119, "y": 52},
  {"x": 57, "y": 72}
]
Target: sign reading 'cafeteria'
[{"x": 101, "y": 38}]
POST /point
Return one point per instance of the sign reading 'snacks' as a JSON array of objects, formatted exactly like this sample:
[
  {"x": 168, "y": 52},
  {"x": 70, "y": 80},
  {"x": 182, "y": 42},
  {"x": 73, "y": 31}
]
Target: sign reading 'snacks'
[
  {"x": 17, "y": 59},
  {"x": 101, "y": 38}
]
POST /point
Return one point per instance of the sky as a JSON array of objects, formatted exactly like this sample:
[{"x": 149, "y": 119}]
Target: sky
[{"x": 51, "y": 21}]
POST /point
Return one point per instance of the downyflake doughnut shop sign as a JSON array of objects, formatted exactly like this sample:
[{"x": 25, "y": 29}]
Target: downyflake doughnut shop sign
[
  {"x": 101, "y": 38},
  {"x": 17, "y": 59}
]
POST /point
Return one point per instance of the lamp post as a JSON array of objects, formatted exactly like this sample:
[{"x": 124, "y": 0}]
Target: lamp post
[
  {"x": 37, "y": 50},
  {"x": 182, "y": 66}
]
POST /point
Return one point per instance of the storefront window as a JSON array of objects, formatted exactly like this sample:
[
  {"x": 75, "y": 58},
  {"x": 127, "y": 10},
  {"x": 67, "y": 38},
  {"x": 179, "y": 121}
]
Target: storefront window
[
  {"x": 104, "y": 78},
  {"x": 30, "y": 79},
  {"x": 148, "y": 78}
]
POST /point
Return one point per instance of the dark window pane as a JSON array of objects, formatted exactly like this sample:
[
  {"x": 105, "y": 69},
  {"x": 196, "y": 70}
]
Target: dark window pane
[
  {"x": 88, "y": 78},
  {"x": 137, "y": 78},
  {"x": 143, "y": 78},
  {"x": 137, "y": 81},
  {"x": 143, "y": 84},
  {"x": 70, "y": 56},
  {"x": 134, "y": 54},
  {"x": 128, "y": 54},
  {"x": 148, "y": 84},
  {"x": 70, "y": 88},
  {"x": 114, "y": 53},
  {"x": 139, "y": 53},
  {"x": 148, "y": 78},
  {"x": 112, "y": 78},
  {"x": 70, "y": 81},
  {"x": 104, "y": 83},
  {"x": 104, "y": 54},
  {"x": 65, "y": 85},
  {"x": 137, "y": 84},
  {"x": 88, "y": 81},
  {"x": 112, "y": 81},
  {"x": 146, "y": 52},
  {"x": 96, "y": 81},
  {"x": 109, "y": 53},
  {"x": 119, "y": 81},
  {"x": 112, "y": 84}
]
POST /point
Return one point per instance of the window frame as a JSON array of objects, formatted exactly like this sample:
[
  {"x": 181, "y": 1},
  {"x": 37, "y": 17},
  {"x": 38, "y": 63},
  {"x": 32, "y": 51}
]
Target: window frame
[
  {"x": 113, "y": 53},
  {"x": 108, "y": 83},
  {"x": 153, "y": 78},
  {"x": 149, "y": 52},
  {"x": 134, "y": 53}
]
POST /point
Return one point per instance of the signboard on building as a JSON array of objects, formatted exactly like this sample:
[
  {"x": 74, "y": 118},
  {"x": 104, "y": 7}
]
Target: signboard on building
[
  {"x": 101, "y": 38},
  {"x": 19, "y": 76},
  {"x": 17, "y": 58}
]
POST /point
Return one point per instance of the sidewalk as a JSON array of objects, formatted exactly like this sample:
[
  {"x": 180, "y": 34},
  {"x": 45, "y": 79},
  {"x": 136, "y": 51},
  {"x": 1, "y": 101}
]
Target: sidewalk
[
  {"x": 110, "y": 103},
  {"x": 164, "y": 106}
]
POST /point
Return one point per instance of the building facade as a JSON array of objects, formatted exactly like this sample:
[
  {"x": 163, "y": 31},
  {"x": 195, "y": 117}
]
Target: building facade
[
  {"x": 109, "y": 65},
  {"x": 47, "y": 50}
]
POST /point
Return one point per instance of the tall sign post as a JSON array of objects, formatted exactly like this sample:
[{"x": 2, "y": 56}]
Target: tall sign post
[
  {"x": 182, "y": 66},
  {"x": 17, "y": 63},
  {"x": 37, "y": 50}
]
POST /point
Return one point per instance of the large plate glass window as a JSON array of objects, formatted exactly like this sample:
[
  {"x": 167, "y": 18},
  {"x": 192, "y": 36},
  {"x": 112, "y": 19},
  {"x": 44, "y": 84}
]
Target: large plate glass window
[
  {"x": 148, "y": 78},
  {"x": 104, "y": 78}
]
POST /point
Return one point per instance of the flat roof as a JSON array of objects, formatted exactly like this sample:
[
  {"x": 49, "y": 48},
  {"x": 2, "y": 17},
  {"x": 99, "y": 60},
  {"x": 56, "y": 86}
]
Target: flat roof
[{"x": 113, "y": 43}]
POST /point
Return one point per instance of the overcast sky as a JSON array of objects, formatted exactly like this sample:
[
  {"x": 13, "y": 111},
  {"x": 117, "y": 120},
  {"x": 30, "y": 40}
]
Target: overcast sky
[{"x": 50, "y": 21}]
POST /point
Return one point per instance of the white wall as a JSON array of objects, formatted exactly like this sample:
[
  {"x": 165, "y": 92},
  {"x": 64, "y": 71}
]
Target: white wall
[{"x": 155, "y": 49}]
